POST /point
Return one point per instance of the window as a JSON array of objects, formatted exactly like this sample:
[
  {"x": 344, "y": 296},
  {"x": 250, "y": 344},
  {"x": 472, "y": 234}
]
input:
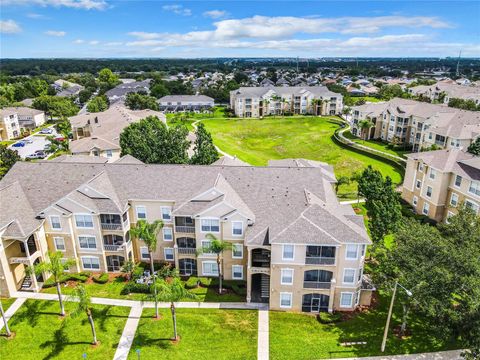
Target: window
[
  {"x": 471, "y": 205},
  {"x": 454, "y": 199},
  {"x": 415, "y": 201},
  {"x": 109, "y": 153},
  {"x": 144, "y": 254},
  {"x": 433, "y": 173},
  {"x": 288, "y": 252},
  {"x": 429, "y": 191},
  {"x": 237, "y": 251},
  {"x": 346, "y": 299},
  {"x": 237, "y": 272},
  {"x": 141, "y": 212},
  {"x": 474, "y": 187},
  {"x": 420, "y": 166},
  {"x": 168, "y": 234},
  {"x": 419, "y": 184},
  {"x": 352, "y": 252},
  {"x": 87, "y": 242},
  {"x": 287, "y": 277},
  {"x": 166, "y": 213},
  {"x": 206, "y": 247},
  {"x": 348, "y": 276},
  {"x": 210, "y": 225},
  {"x": 285, "y": 300},
  {"x": 90, "y": 263},
  {"x": 169, "y": 255},
  {"x": 84, "y": 221},
  {"x": 458, "y": 181},
  {"x": 55, "y": 222},
  {"x": 360, "y": 274},
  {"x": 210, "y": 268},
  {"x": 237, "y": 228},
  {"x": 59, "y": 243},
  {"x": 426, "y": 208}
]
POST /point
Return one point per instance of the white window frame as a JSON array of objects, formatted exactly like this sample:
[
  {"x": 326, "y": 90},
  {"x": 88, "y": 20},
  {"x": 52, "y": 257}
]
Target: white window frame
[
  {"x": 342, "y": 294},
  {"x": 418, "y": 184},
  {"x": 165, "y": 254},
  {"x": 346, "y": 252},
  {"x": 87, "y": 248},
  {"x": 137, "y": 212},
  {"x": 233, "y": 272},
  {"x": 171, "y": 234},
  {"x": 455, "y": 181},
  {"x": 363, "y": 250},
  {"x": 431, "y": 191},
  {"x": 282, "y": 274},
  {"x": 474, "y": 185},
  {"x": 456, "y": 199},
  {"x": 210, "y": 226},
  {"x": 59, "y": 222},
  {"x": 144, "y": 253},
  {"x": 203, "y": 247},
  {"x": 109, "y": 153},
  {"x": 432, "y": 174},
  {"x": 475, "y": 205},
  {"x": 169, "y": 210},
  {"x": 289, "y": 295},
  {"x": 353, "y": 276},
  {"x": 241, "y": 228},
  {"x": 293, "y": 252},
  {"x": 90, "y": 257},
  {"x": 63, "y": 242},
  {"x": 360, "y": 274},
  {"x": 213, "y": 263},
  {"x": 241, "y": 250},
  {"x": 83, "y": 227},
  {"x": 357, "y": 297},
  {"x": 426, "y": 205}
]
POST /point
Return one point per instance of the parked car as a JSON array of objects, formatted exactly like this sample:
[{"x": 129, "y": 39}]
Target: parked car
[
  {"x": 46, "y": 131},
  {"x": 19, "y": 144},
  {"x": 59, "y": 138},
  {"x": 47, "y": 147},
  {"x": 41, "y": 153},
  {"x": 28, "y": 141},
  {"x": 36, "y": 156}
]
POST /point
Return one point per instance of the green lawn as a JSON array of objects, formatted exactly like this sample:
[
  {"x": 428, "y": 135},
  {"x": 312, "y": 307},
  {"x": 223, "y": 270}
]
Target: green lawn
[
  {"x": 376, "y": 144},
  {"x": 6, "y": 302},
  {"x": 258, "y": 140},
  {"x": 355, "y": 99},
  {"x": 8, "y": 142},
  {"x": 40, "y": 333},
  {"x": 301, "y": 336},
  {"x": 204, "y": 334}
]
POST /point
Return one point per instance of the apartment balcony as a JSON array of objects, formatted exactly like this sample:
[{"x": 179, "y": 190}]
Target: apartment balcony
[
  {"x": 106, "y": 226},
  {"x": 187, "y": 251},
  {"x": 317, "y": 279},
  {"x": 184, "y": 224},
  {"x": 319, "y": 260},
  {"x": 114, "y": 222},
  {"x": 316, "y": 285},
  {"x": 115, "y": 242},
  {"x": 113, "y": 247},
  {"x": 320, "y": 255},
  {"x": 261, "y": 258},
  {"x": 26, "y": 260},
  {"x": 185, "y": 229}
]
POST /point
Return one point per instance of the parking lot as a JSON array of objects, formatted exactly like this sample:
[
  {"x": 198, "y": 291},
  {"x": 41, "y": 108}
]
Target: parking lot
[{"x": 38, "y": 143}]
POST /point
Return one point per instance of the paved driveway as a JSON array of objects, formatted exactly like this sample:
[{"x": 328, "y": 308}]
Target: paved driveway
[{"x": 39, "y": 142}]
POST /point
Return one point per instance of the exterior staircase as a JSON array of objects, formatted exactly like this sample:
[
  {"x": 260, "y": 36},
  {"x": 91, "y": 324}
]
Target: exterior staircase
[
  {"x": 265, "y": 286},
  {"x": 27, "y": 283}
]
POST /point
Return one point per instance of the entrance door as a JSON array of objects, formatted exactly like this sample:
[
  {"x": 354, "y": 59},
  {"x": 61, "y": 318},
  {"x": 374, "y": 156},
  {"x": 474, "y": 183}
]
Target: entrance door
[{"x": 315, "y": 304}]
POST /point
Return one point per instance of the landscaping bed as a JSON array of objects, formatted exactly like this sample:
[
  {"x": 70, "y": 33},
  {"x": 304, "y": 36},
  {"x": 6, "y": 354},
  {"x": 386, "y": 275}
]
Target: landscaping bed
[{"x": 204, "y": 334}]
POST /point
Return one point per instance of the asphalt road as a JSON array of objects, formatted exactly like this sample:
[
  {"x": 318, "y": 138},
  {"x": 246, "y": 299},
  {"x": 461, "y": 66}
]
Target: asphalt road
[{"x": 39, "y": 142}]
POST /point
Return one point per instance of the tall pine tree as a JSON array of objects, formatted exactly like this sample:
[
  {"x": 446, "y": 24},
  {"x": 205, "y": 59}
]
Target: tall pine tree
[{"x": 205, "y": 152}]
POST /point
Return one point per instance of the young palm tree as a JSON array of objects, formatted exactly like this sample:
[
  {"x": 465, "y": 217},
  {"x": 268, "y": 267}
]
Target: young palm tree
[
  {"x": 365, "y": 126},
  {"x": 342, "y": 180},
  {"x": 129, "y": 268},
  {"x": 172, "y": 290},
  {"x": 84, "y": 304},
  {"x": 217, "y": 247},
  {"x": 7, "y": 329},
  {"x": 284, "y": 103},
  {"x": 148, "y": 233},
  {"x": 315, "y": 104},
  {"x": 56, "y": 266}
]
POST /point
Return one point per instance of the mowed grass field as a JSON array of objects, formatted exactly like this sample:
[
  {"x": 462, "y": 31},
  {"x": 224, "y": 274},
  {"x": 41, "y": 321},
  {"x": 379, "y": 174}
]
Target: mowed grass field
[{"x": 258, "y": 140}]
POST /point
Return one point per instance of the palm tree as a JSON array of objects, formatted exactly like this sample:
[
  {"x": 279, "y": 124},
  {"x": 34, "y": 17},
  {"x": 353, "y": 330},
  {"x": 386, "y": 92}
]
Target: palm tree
[
  {"x": 172, "y": 290},
  {"x": 56, "y": 266},
  {"x": 365, "y": 125},
  {"x": 266, "y": 102},
  {"x": 315, "y": 104},
  {"x": 275, "y": 98},
  {"x": 84, "y": 304},
  {"x": 284, "y": 102},
  {"x": 342, "y": 180},
  {"x": 217, "y": 247},
  {"x": 7, "y": 329},
  {"x": 148, "y": 233}
]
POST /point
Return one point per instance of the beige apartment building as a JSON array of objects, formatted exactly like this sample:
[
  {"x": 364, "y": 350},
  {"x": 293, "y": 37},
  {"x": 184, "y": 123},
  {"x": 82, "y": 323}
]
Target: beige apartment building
[
  {"x": 295, "y": 246},
  {"x": 444, "y": 91},
  {"x": 418, "y": 124},
  {"x": 437, "y": 182},
  {"x": 276, "y": 100},
  {"x": 9, "y": 126}
]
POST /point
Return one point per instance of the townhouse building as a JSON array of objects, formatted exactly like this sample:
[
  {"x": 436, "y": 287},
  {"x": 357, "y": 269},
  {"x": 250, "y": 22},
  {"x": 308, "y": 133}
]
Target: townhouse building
[
  {"x": 444, "y": 91},
  {"x": 438, "y": 182},
  {"x": 28, "y": 118},
  {"x": 277, "y": 100},
  {"x": 418, "y": 124},
  {"x": 9, "y": 126},
  {"x": 295, "y": 246},
  {"x": 182, "y": 103}
]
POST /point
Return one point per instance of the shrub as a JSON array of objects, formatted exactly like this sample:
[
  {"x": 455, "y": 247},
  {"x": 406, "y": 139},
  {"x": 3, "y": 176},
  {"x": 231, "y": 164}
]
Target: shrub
[
  {"x": 329, "y": 318},
  {"x": 239, "y": 289},
  {"x": 133, "y": 287},
  {"x": 101, "y": 279},
  {"x": 192, "y": 282},
  {"x": 81, "y": 277},
  {"x": 85, "y": 273}
]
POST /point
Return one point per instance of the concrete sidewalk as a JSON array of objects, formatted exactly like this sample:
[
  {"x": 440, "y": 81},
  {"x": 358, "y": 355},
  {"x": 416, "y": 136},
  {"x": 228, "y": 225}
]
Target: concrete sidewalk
[
  {"x": 441, "y": 355},
  {"x": 128, "y": 334},
  {"x": 11, "y": 311},
  {"x": 263, "y": 342}
]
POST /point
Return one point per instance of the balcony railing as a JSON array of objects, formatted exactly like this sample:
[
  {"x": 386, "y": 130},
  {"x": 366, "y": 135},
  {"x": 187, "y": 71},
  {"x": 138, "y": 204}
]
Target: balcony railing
[
  {"x": 316, "y": 285},
  {"x": 112, "y": 247},
  {"x": 319, "y": 260},
  {"x": 110, "y": 226},
  {"x": 187, "y": 251},
  {"x": 185, "y": 229}
]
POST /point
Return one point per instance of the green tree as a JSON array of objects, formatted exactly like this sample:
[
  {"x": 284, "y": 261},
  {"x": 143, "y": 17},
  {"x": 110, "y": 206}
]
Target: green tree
[
  {"x": 388, "y": 92},
  {"x": 8, "y": 158},
  {"x": 148, "y": 232},
  {"x": 159, "y": 90},
  {"x": 129, "y": 268},
  {"x": 107, "y": 79},
  {"x": 97, "y": 104},
  {"x": 56, "y": 266},
  {"x": 55, "y": 106},
  {"x": 173, "y": 290},
  {"x": 64, "y": 127},
  {"x": 57, "y": 145},
  {"x": 474, "y": 147},
  {"x": 204, "y": 152},
  {"x": 150, "y": 141},
  {"x": 140, "y": 101},
  {"x": 217, "y": 247},
  {"x": 84, "y": 305}
]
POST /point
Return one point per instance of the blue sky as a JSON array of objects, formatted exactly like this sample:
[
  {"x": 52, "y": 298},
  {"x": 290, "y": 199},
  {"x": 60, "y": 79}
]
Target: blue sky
[{"x": 107, "y": 28}]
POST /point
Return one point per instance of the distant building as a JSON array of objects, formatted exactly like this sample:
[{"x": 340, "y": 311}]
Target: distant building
[
  {"x": 28, "y": 118},
  {"x": 262, "y": 101},
  {"x": 182, "y": 103},
  {"x": 119, "y": 93},
  {"x": 445, "y": 90},
  {"x": 9, "y": 126},
  {"x": 66, "y": 88}
]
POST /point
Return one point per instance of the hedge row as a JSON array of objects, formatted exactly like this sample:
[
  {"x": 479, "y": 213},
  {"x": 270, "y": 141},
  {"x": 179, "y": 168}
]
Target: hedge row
[
  {"x": 81, "y": 277},
  {"x": 101, "y": 279}
]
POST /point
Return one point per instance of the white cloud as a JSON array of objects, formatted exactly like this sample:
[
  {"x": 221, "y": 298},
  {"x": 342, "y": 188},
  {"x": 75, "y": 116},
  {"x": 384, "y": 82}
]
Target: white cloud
[
  {"x": 79, "y": 41},
  {"x": 215, "y": 14},
  {"x": 55, "y": 33},
  {"x": 9, "y": 27},
  {"x": 177, "y": 9},
  {"x": 113, "y": 43},
  {"x": 76, "y": 4},
  {"x": 35, "y": 16},
  {"x": 94, "y": 42}
]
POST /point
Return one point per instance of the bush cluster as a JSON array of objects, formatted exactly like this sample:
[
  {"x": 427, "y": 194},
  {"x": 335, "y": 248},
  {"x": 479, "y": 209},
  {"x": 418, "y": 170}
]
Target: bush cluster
[
  {"x": 81, "y": 277},
  {"x": 329, "y": 318},
  {"x": 101, "y": 279}
]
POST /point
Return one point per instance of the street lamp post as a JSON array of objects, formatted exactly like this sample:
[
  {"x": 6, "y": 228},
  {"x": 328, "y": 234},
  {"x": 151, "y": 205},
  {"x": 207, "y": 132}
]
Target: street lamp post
[{"x": 389, "y": 316}]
